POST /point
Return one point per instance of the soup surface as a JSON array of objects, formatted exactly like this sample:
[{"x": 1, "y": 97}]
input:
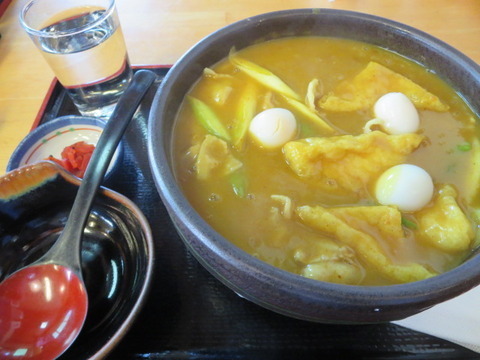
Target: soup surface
[{"x": 318, "y": 186}]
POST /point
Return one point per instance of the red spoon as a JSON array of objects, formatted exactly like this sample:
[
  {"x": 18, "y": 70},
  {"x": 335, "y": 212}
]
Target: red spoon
[{"x": 43, "y": 306}]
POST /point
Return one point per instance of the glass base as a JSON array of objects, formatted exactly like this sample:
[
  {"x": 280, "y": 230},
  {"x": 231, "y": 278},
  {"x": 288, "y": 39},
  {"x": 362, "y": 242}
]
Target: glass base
[
  {"x": 100, "y": 99},
  {"x": 103, "y": 113}
]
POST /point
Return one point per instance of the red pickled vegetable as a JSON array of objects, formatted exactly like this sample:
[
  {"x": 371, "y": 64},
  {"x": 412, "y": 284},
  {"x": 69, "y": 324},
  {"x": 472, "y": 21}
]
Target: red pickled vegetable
[{"x": 75, "y": 157}]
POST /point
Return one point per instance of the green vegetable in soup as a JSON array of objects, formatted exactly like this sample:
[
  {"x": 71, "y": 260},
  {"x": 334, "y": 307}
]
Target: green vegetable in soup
[
  {"x": 309, "y": 114},
  {"x": 464, "y": 147},
  {"x": 273, "y": 82},
  {"x": 208, "y": 119},
  {"x": 239, "y": 183},
  {"x": 409, "y": 223},
  {"x": 245, "y": 112},
  {"x": 264, "y": 77}
]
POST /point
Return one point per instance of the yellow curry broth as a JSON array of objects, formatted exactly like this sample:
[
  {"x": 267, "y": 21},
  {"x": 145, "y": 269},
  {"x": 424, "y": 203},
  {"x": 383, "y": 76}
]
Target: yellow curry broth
[{"x": 272, "y": 230}]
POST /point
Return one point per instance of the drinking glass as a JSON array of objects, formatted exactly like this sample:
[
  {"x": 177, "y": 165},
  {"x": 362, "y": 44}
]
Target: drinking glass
[{"x": 82, "y": 41}]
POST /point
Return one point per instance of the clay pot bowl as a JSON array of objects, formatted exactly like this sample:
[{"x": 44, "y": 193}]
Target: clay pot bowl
[{"x": 255, "y": 280}]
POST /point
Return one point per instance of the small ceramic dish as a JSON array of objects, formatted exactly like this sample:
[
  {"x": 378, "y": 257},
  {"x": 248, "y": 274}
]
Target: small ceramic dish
[
  {"x": 117, "y": 249},
  {"x": 52, "y": 137}
]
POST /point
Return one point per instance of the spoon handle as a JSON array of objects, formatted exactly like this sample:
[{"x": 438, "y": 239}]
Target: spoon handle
[{"x": 68, "y": 252}]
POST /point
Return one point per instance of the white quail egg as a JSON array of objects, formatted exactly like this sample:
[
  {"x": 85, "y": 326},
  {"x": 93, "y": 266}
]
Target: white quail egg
[
  {"x": 273, "y": 127},
  {"x": 407, "y": 186},
  {"x": 396, "y": 114}
]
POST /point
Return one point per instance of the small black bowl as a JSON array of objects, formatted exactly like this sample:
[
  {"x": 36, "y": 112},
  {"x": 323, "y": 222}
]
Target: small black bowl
[
  {"x": 117, "y": 248},
  {"x": 255, "y": 280}
]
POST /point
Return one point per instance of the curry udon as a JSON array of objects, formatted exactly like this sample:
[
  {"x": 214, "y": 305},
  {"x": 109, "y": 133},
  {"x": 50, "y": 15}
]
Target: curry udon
[{"x": 286, "y": 149}]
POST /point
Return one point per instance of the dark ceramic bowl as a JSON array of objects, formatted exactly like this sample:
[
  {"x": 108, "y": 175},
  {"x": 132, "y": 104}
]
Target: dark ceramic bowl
[
  {"x": 117, "y": 248},
  {"x": 257, "y": 281}
]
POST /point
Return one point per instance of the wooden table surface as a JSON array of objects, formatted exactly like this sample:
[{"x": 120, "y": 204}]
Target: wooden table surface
[{"x": 160, "y": 31}]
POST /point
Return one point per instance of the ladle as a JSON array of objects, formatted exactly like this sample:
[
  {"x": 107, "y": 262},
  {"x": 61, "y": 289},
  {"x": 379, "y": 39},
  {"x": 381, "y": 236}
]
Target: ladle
[{"x": 43, "y": 306}]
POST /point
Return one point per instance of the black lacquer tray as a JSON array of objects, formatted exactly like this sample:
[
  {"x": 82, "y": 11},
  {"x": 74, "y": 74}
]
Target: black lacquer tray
[{"x": 190, "y": 315}]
